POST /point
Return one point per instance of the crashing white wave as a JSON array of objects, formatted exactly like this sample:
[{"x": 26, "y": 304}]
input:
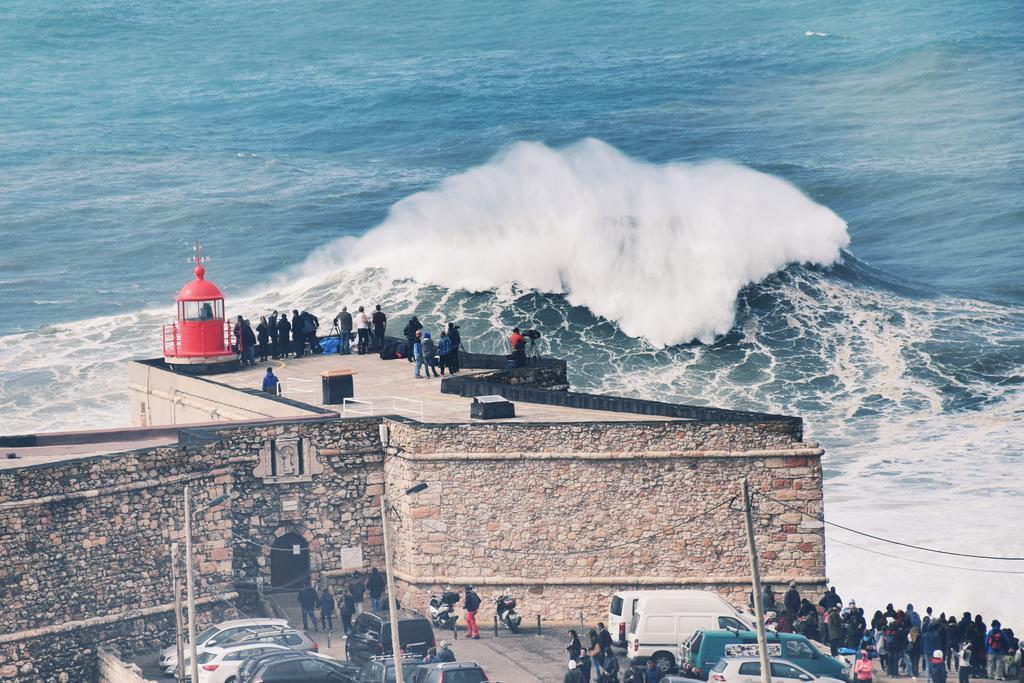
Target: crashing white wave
[{"x": 663, "y": 250}]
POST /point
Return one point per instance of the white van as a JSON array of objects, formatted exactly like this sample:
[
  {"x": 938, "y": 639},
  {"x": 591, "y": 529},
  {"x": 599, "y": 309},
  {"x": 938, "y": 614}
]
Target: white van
[
  {"x": 620, "y": 614},
  {"x": 664, "y": 619}
]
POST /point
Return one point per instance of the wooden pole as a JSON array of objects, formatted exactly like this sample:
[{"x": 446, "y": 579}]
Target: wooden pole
[
  {"x": 755, "y": 574},
  {"x": 396, "y": 649},
  {"x": 179, "y": 626}
]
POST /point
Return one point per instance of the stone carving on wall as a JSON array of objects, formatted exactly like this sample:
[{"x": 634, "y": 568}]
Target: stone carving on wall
[{"x": 287, "y": 459}]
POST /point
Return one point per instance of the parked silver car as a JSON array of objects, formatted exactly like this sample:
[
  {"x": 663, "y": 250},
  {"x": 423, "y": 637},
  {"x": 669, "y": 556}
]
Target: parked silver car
[
  {"x": 748, "y": 670},
  {"x": 214, "y": 635}
]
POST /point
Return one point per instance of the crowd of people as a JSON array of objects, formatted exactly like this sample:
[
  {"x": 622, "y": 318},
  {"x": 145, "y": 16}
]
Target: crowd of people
[
  {"x": 325, "y": 603},
  {"x": 276, "y": 336},
  {"x": 903, "y": 641}
]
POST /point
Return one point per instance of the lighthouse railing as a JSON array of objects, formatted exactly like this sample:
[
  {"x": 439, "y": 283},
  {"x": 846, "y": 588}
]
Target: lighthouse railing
[{"x": 170, "y": 334}]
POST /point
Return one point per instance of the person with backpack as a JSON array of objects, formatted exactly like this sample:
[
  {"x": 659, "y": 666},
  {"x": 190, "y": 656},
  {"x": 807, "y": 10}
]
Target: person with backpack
[
  {"x": 429, "y": 355},
  {"x": 995, "y": 648},
  {"x": 471, "y": 604},
  {"x": 409, "y": 332}
]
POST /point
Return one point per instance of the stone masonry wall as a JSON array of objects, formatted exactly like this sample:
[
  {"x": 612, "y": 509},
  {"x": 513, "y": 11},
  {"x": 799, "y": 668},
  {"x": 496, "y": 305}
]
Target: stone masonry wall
[
  {"x": 562, "y": 515},
  {"x": 610, "y": 437},
  {"x": 85, "y": 543},
  {"x": 578, "y": 511}
]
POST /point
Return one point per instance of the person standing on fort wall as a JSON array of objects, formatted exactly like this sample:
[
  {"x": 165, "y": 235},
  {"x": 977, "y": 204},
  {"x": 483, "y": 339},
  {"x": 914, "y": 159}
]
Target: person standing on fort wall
[
  {"x": 248, "y": 344},
  {"x": 380, "y": 325},
  {"x": 263, "y": 338},
  {"x": 363, "y": 330},
  {"x": 456, "y": 343},
  {"x": 344, "y": 322},
  {"x": 284, "y": 331},
  {"x": 272, "y": 331},
  {"x": 444, "y": 351},
  {"x": 298, "y": 334},
  {"x": 270, "y": 382}
]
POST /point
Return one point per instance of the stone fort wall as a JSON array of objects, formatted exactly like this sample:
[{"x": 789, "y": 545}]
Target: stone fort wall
[
  {"x": 86, "y": 543},
  {"x": 565, "y": 515},
  {"x": 560, "y": 514}
]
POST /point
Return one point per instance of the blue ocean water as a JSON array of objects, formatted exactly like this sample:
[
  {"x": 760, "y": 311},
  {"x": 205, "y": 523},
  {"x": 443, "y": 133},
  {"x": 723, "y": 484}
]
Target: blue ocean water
[{"x": 270, "y": 130}]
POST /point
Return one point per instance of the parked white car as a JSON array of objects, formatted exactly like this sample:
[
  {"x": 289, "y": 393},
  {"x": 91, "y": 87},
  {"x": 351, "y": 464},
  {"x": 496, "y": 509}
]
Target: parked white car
[
  {"x": 748, "y": 670},
  {"x": 221, "y": 664},
  {"x": 213, "y": 636}
]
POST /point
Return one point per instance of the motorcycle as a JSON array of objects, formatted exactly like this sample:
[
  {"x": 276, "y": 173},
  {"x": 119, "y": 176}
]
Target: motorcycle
[
  {"x": 442, "y": 609},
  {"x": 505, "y": 605}
]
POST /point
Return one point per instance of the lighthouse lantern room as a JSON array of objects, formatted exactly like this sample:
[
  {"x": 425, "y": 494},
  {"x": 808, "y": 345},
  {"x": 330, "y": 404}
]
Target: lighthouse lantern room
[{"x": 199, "y": 340}]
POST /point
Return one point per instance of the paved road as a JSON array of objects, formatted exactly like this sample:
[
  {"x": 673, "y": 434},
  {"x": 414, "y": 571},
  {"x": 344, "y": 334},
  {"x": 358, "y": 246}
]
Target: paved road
[{"x": 510, "y": 658}]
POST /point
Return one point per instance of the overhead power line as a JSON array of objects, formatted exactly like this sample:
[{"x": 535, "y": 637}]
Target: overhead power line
[
  {"x": 889, "y": 540},
  {"x": 832, "y": 539}
]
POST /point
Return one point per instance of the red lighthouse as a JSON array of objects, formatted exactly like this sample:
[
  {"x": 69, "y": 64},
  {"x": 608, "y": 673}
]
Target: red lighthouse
[{"x": 199, "y": 341}]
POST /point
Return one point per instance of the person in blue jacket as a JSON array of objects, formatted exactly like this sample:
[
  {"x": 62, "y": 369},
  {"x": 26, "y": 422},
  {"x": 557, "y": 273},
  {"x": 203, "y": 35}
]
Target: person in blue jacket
[{"x": 270, "y": 382}]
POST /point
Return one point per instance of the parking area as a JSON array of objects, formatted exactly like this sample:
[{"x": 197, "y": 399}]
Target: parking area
[{"x": 524, "y": 657}]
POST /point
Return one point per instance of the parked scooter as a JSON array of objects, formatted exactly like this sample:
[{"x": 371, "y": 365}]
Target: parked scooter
[
  {"x": 507, "y": 615},
  {"x": 442, "y": 609}
]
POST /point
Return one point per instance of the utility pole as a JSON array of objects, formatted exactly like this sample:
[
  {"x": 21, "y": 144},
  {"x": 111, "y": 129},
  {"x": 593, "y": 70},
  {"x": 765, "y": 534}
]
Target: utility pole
[
  {"x": 392, "y": 598},
  {"x": 190, "y": 581},
  {"x": 755, "y": 574},
  {"x": 178, "y": 625}
]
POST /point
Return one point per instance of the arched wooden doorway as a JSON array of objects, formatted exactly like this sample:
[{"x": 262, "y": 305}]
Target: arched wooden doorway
[{"x": 289, "y": 562}]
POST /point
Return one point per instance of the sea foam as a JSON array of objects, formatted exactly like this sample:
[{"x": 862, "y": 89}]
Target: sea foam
[{"x": 663, "y": 250}]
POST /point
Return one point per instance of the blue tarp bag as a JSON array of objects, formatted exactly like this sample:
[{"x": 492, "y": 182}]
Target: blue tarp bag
[{"x": 330, "y": 344}]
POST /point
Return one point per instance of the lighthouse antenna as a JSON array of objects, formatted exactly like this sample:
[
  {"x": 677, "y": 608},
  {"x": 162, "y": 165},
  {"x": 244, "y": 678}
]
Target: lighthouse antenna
[{"x": 198, "y": 254}]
